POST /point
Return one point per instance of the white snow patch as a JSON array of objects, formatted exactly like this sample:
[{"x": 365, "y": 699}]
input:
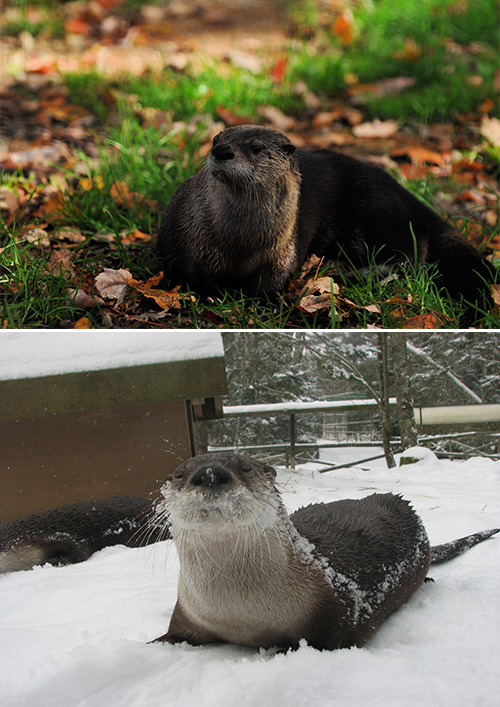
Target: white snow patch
[
  {"x": 78, "y": 635},
  {"x": 29, "y": 354}
]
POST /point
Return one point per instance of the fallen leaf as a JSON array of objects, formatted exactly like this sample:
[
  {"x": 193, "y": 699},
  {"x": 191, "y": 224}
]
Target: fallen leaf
[
  {"x": 9, "y": 204},
  {"x": 83, "y": 323},
  {"x": 172, "y": 299},
  {"x": 372, "y": 308},
  {"x": 112, "y": 284},
  {"x": 321, "y": 285},
  {"x": 361, "y": 93},
  {"x": 278, "y": 71},
  {"x": 38, "y": 236},
  {"x": 88, "y": 184},
  {"x": 81, "y": 299},
  {"x": 278, "y": 119},
  {"x": 231, "y": 118},
  {"x": 121, "y": 193},
  {"x": 60, "y": 264},
  {"x": 51, "y": 209},
  {"x": 73, "y": 235},
  {"x": 410, "y": 52},
  {"x": 313, "y": 303},
  {"x": 136, "y": 237},
  {"x": 418, "y": 155},
  {"x": 422, "y": 321},
  {"x": 344, "y": 28},
  {"x": 376, "y": 129}
]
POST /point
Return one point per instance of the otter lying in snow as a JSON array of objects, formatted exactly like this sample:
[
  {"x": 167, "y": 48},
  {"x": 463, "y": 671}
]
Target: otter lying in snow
[
  {"x": 250, "y": 216},
  {"x": 330, "y": 573}
]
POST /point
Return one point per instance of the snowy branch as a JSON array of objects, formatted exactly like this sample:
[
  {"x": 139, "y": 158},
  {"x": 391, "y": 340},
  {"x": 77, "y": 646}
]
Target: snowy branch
[{"x": 418, "y": 352}]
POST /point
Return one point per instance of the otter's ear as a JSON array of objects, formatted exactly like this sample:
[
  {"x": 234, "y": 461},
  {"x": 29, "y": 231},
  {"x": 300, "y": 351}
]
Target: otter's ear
[{"x": 288, "y": 148}]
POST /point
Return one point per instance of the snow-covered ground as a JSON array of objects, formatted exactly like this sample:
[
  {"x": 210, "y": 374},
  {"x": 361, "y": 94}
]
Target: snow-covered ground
[{"x": 77, "y": 636}]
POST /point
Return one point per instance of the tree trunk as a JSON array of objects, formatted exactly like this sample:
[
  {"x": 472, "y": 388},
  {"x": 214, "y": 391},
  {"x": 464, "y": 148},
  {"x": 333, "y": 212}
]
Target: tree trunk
[
  {"x": 384, "y": 399},
  {"x": 406, "y": 419}
]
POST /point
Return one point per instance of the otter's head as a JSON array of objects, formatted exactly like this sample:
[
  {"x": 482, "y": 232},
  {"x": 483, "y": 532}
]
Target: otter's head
[
  {"x": 219, "y": 492},
  {"x": 249, "y": 155}
]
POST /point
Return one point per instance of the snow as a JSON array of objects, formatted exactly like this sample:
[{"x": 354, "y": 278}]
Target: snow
[
  {"x": 29, "y": 354},
  {"x": 258, "y": 409},
  {"x": 78, "y": 635}
]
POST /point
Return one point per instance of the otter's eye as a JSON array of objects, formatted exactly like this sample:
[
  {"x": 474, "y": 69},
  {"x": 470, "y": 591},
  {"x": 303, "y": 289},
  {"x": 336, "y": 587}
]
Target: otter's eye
[{"x": 256, "y": 147}]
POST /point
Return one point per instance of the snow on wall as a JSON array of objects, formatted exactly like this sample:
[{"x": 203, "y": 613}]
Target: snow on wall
[{"x": 30, "y": 354}]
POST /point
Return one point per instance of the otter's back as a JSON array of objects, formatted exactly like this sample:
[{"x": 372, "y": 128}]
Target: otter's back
[{"x": 364, "y": 539}]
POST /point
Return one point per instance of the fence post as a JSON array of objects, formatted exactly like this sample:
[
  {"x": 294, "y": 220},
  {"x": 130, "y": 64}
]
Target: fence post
[{"x": 292, "y": 440}]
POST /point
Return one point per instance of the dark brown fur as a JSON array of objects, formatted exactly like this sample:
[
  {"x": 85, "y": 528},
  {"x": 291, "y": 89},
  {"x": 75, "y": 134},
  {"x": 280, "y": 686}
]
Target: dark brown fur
[
  {"x": 72, "y": 533},
  {"x": 241, "y": 222},
  {"x": 330, "y": 573}
]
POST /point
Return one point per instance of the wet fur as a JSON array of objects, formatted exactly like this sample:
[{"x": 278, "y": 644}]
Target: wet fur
[
  {"x": 241, "y": 222},
  {"x": 72, "y": 533}
]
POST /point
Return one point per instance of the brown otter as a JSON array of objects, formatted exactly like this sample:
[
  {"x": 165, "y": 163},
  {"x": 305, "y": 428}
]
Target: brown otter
[
  {"x": 250, "y": 216},
  {"x": 71, "y": 533},
  {"x": 250, "y": 574}
]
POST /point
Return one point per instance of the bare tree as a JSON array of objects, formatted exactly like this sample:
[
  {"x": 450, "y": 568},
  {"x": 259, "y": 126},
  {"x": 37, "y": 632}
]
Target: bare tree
[
  {"x": 402, "y": 385},
  {"x": 383, "y": 365}
]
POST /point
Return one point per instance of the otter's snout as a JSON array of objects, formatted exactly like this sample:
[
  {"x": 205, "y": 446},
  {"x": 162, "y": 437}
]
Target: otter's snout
[
  {"x": 210, "y": 476},
  {"x": 223, "y": 151}
]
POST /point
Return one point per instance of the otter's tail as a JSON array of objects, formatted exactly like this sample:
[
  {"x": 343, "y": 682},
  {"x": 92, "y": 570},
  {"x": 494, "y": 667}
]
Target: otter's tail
[
  {"x": 463, "y": 271},
  {"x": 443, "y": 553}
]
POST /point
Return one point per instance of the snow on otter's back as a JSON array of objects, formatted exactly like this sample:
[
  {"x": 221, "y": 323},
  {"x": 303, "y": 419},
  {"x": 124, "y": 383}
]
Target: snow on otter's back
[{"x": 78, "y": 634}]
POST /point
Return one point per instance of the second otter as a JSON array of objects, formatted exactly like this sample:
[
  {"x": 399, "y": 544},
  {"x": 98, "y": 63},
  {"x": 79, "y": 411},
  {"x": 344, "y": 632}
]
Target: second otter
[{"x": 250, "y": 216}]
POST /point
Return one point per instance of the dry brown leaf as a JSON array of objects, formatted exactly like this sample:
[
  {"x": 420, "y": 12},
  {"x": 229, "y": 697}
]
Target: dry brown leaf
[
  {"x": 83, "y": 323},
  {"x": 121, "y": 193},
  {"x": 231, "y": 118},
  {"x": 38, "y": 236},
  {"x": 372, "y": 308},
  {"x": 81, "y": 299},
  {"x": 410, "y": 52},
  {"x": 422, "y": 321},
  {"x": 51, "y": 209},
  {"x": 136, "y": 237},
  {"x": 321, "y": 285},
  {"x": 313, "y": 303},
  {"x": 278, "y": 119},
  {"x": 60, "y": 264},
  {"x": 376, "y": 129},
  {"x": 73, "y": 235},
  {"x": 419, "y": 155},
  {"x": 172, "y": 299},
  {"x": 112, "y": 284},
  {"x": 9, "y": 204}
]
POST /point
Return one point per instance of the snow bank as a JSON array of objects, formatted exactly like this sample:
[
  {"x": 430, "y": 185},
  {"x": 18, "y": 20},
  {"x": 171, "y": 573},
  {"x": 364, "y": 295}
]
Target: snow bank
[
  {"x": 29, "y": 354},
  {"x": 78, "y": 635}
]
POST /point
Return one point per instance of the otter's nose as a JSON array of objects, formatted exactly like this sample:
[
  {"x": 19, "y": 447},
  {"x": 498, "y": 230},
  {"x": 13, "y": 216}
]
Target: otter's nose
[
  {"x": 210, "y": 476},
  {"x": 223, "y": 151}
]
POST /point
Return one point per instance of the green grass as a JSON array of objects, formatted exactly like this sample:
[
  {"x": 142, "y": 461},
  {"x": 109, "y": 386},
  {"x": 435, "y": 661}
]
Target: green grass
[
  {"x": 454, "y": 42},
  {"x": 153, "y": 159}
]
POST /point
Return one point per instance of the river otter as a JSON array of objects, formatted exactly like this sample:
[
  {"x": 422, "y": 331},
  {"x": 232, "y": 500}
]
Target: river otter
[
  {"x": 250, "y": 216},
  {"x": 71, "y": 533},
  {"x": 250, "y": 574}
]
